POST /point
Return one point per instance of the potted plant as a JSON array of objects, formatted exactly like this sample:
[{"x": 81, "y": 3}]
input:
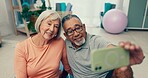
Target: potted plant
[{"x": 31, "y": 16}]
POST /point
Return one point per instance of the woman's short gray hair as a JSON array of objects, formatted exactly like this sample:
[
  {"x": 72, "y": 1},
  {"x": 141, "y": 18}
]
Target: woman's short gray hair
[{"x": 53, "y": 16}]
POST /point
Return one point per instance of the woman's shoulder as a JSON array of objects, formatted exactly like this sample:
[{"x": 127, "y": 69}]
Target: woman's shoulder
[
  {"x": 59, "y": 40},
  {"x": 23, "y": 42}
]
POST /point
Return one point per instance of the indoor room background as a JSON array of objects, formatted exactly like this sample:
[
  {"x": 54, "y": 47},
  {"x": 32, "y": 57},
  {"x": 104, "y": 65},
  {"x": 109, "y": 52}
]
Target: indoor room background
[{"x": 87, "y": 10}]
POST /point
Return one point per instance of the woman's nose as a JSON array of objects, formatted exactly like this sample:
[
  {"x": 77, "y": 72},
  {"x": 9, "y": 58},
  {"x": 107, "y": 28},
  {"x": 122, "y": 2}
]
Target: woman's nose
[{"x": 51, "y": 27}]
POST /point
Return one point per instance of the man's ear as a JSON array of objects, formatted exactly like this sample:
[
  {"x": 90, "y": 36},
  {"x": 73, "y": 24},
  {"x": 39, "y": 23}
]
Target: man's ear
[
  {"x": 84, "y": 26},
  {"x": 65, "y": 35}
]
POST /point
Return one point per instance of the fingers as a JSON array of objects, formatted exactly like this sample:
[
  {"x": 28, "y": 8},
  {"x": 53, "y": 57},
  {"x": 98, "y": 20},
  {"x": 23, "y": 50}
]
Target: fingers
[
  {"x": 138, "y": 48},
  {"x": 136, "y": 53},
  {"x": 124, "y": 43},
  {"x": 128, "y": 45}
]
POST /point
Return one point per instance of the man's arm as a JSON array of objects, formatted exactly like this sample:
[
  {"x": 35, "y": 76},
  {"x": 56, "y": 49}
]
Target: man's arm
[
  {"x": 136, "y": 53},
  {"x": 123, "y": 72},
  {"x": 136, "y": 57}
]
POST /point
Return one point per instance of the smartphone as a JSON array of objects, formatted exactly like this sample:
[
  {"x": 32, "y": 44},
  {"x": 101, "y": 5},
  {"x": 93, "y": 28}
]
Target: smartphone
[{"x": 108, "y": 58}]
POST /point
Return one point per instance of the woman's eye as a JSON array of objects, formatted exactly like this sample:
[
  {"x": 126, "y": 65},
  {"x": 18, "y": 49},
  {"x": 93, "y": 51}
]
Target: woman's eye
[
  {"x": 57, "y": 26},
  {"x": 49, "y": 24}
]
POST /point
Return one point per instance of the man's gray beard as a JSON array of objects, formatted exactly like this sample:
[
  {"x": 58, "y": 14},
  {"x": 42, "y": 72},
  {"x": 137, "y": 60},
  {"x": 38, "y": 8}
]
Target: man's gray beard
[{"x": 80, "y": 42}]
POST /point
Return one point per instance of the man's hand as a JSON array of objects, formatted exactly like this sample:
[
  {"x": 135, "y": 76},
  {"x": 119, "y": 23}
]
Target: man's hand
[
  {"x": 136, "y": 53},
  {"x": 123, "y": 72}
]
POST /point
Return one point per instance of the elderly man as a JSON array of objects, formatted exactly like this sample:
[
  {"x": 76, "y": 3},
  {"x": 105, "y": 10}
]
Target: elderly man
[{"x": 80, "y": 43}]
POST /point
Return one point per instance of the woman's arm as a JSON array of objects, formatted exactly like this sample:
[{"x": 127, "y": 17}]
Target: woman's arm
[
  {"x": 20, "y": 62},
  {"x": 65, "y": 61}
]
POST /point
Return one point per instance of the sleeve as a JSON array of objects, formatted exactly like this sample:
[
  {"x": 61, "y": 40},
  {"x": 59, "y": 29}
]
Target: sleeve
[
  {"x": 20, "y": 62},
  {"x": 65, "y": 60},
  {"x": 101, "y": 42}
]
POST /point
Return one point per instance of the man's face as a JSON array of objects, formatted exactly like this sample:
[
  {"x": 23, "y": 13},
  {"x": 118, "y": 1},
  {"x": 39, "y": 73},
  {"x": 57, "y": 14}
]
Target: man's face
[{"x": 75, "y": 31}]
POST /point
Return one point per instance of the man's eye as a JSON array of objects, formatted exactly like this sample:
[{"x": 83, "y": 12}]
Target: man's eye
[
  {"x": 78, "y": 28},
  {"x": 70, "y": 31}
]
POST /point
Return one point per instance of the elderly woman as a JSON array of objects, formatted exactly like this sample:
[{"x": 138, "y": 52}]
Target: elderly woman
[{"x": 39, "y": 56}]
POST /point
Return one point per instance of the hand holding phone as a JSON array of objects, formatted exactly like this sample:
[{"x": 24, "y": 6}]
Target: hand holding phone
[{"x": 109, "y": 58}]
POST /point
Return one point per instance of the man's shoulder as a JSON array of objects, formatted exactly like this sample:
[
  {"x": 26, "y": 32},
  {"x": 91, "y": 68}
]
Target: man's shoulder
[
  {"x": 93, "y": 37},
  {"x": 66, "y": 40}
]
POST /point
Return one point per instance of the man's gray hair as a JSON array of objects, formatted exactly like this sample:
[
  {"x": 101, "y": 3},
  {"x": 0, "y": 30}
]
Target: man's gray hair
[{"x": 68, "y": 17}]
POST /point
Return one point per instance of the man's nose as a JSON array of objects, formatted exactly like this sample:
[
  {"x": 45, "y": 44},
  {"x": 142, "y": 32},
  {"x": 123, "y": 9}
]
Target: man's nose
[{"x": 76, "y": 33}]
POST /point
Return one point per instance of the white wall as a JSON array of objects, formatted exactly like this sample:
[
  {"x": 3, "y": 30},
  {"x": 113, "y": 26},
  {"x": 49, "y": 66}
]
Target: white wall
[
  {"x": 6, "y": 26},
  {"x": 89, "y": 10}
]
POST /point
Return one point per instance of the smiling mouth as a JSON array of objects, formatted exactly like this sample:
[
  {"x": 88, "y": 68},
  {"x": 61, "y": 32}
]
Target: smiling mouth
[
  {"x": 49, "y": 34},
  {"x": 78, "y": 39}
]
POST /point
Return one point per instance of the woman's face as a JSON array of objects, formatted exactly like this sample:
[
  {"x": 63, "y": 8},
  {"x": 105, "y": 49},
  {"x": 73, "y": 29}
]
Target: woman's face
[{"x": 49, "y": 28}]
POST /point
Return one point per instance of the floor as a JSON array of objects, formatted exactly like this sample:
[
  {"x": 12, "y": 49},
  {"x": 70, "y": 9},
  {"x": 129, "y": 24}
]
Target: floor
[{"x": 137, "y": 37}]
